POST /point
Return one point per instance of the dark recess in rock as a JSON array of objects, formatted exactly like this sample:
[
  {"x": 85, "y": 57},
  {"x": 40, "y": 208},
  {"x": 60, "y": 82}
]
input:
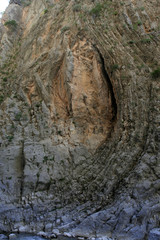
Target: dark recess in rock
[{"x": 110, "y": 87}]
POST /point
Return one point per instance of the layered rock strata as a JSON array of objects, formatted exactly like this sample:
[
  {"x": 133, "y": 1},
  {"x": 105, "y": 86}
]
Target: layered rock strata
[{"x": 79, "y": 136}]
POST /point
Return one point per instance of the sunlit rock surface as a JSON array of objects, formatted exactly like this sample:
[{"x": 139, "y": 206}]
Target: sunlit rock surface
[{"x": 79, "y": 117}]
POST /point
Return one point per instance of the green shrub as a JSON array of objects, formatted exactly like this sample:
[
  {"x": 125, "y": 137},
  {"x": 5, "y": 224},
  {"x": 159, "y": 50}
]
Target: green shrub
[
  {"x": 145, "y": 40},
  {"x": 1, "y": 98},
  {"x": 142, "y": 8},
  {"x": 65, "y": 28},
  {"x": 156, "y": 73},
  {"x": 77, "y": 8},
  {"x": 18, "y": 116},
  {"x": 59, "y": 132},
  {"x": 139, "y": 23},
  {"x": 115, "y": 13},
  {"x": 131, "y": 42},
  {"x": 96, "y": 10},
  {"x": 11, "y": 23},
  {"x": 45, "y": 159},
  {"x": 114, "y": 67},
  {"x": 10, "y": 138},
  {"x": 45, "y": 11},
  {"x": 5, "y": 79},
  {"x": 136, "y": 25}
]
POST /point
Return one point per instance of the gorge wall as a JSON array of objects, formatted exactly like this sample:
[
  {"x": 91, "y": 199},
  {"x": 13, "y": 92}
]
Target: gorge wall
[{"x": 79, "y": 117}]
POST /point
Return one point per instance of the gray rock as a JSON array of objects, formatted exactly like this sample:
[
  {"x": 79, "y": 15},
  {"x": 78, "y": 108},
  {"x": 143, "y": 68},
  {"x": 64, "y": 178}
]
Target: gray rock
[
  {"x": 48, "y": 227},
  {"x": 104, "y": 238},
  {"x": 154, "y": 234},
  {"x": 43, "y": 234},
  {"x": 53, "y": 236},
  {"x": 12, "y": 236},
  {"x": 138, "y": 232},
  {"x": 79, "y": 117},
  {"x": 66, "y": 234},
  {"x": 56, "y": 232},
  {"x": 15, "y": 2},
  {"x": 24, "y": 229},
  {"x": 3, "y": 237}
]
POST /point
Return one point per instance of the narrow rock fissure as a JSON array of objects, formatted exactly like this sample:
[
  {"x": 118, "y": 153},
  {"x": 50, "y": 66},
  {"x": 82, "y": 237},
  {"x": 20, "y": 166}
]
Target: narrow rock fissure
[{"x": 110, "y": 86}]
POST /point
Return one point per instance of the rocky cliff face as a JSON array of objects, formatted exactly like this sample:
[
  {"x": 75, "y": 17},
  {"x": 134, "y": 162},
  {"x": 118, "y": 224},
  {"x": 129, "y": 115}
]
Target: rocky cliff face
[{"x": 79, "y": 117}]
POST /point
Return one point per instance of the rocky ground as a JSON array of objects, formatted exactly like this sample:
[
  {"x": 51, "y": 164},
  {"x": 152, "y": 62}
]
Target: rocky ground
[{"x": 79, "y": 118}]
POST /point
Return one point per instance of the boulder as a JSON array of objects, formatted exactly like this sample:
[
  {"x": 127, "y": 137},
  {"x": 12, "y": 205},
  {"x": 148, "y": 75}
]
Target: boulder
[
  {"x": 3, "y": 237},
  {"x": 12, "y": 236},
  {"x": 154, "y": 234}
]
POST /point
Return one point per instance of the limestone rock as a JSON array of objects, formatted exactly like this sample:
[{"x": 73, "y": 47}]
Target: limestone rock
[{"x": 79, "y": 118}]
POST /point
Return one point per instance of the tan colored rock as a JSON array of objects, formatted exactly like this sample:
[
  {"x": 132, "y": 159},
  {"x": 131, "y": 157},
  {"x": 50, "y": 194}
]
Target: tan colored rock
[{"x": 79, "y": 118}]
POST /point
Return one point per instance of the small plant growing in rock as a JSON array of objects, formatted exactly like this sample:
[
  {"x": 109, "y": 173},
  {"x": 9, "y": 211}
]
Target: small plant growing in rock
[
  {"x": 1, "y": 98},
  {"x": 131, "y": 42},
  {"x": 142, "y": 8},
  {"x": 45, "y": 159},
  {"x": 11, "y": 24},
  {"x": 10, "y": 138},
  {"x": 12, "y": 127},
  {"x": 65, "y": 28},
  {"x": 139, "y": 23},
  {"x": 45, "y": 11},
  {"x": 145, "y": 40},
  {"x": 59, "y": 132},
  {"x": 156, "y": 73},
  {"x": 115, "y": 13},
  {"x": 5, "y": 79},
  {"x": 114, "y": 67},
  {"x": 18, "y": 116},
  {"x": 77, "y": 8},
  {"x": 96, "y": 10}
]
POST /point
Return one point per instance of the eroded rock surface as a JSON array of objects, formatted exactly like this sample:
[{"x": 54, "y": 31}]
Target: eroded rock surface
[{"x": 79, "y": 137}]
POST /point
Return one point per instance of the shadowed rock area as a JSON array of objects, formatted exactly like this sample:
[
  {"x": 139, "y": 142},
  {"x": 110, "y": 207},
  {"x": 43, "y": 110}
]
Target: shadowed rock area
[{"x": 79, "y": 118}]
